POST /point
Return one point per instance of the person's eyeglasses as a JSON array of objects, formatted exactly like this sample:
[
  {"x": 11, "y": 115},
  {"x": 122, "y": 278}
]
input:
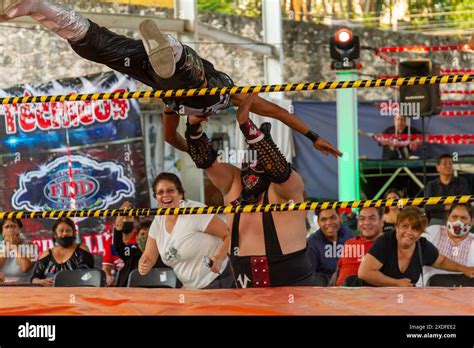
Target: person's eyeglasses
[{"x": 170, "y": 191}]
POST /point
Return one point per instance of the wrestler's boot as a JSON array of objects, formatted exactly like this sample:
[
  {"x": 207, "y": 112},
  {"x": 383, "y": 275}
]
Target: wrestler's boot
[
  {"x": 58, "y": 18},
  {"x": 164, "y": 51}
]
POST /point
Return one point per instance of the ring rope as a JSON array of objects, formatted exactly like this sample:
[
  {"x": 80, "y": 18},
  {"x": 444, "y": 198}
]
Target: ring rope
[
  {"x": 456, "y": 113},
  {"x": 255, "y": 208},
  {"x": 445, "y": 139},
  {"x": 468, "y": 92},
  {"x": 289, "y": 87},
  {"x": 424, "y": 49}
]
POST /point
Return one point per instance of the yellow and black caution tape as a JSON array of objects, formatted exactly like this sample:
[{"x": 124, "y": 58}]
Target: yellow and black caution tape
[
  {"x": 288, "y": 87},
  {"x": 290, "y": 206}
]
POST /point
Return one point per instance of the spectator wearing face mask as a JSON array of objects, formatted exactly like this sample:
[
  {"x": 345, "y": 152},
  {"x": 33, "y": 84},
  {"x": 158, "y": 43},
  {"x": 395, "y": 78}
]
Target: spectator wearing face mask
[
  {"x": 453, "y": 239},
  {"x": 66, "y": 254},
  {"x": 112, "y": 263},
  {"x": 131, "y": 253}
]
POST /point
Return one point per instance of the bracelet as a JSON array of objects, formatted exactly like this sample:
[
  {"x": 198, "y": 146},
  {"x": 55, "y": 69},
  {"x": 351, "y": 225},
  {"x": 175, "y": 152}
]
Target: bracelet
[{"x": 313, "y": 136}]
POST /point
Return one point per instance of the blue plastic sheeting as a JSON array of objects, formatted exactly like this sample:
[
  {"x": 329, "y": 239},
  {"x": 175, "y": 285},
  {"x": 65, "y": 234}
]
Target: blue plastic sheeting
[{"x": 320, "y": 172}]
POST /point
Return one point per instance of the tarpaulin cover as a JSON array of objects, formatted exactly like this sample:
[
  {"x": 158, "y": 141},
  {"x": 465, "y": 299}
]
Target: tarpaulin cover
[{"x": 269, "y": 301}]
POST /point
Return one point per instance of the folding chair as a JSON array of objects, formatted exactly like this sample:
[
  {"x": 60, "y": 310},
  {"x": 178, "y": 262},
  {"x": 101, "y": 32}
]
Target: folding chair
[
  {"x": 79, "y": 278},
  {"x": 353, "y": 281},
  {"x": 450, "y": 280},
  {"x": 320, "y": 279},
  {"x": 156, "y": 278}
]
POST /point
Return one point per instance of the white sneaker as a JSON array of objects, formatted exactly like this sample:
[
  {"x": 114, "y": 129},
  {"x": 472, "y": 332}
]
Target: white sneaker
[{"x": 158, "y": 48}]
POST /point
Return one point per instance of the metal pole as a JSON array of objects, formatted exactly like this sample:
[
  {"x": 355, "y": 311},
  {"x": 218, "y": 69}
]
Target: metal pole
[{"x": 347, "y": 139}]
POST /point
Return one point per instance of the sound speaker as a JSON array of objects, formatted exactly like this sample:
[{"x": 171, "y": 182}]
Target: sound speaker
[{"x": 419, "y": 100}]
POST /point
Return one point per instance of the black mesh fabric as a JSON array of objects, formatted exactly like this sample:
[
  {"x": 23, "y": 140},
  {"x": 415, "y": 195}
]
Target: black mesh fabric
[
  {"x": 199, "y": 147},
  {"x": 276, "y": 166}
]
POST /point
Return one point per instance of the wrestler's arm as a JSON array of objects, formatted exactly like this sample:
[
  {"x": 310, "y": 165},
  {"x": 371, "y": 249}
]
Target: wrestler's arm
[
  {"x": 170, "y": 126},
  {"x": 286, "y": 183},
  {"x": 265, "y": 108}
]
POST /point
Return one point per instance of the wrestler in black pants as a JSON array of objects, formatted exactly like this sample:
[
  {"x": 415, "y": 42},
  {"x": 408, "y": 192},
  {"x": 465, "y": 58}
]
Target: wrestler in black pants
[{"x": 129, "y": 57}]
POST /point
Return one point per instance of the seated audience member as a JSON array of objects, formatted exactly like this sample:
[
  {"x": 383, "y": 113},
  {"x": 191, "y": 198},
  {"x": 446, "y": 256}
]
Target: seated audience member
[
  {"x": 323, "y": 245},
  {"x": 131, "y": 253},
  {"x": 445, "y": 185},
  {"x": 452, "y": 240},
  {"x": 391, "y": 213},
  {"x": 183, "y": 241},
  {"x": 66, "y": 254},
  {"x": 16, "y": 256},
  {"x": 397, "y": 258},
  {"x": 370, "y": 225},
  {"x": 112, "y": 264},
  {"x": 397, "y": 149}
]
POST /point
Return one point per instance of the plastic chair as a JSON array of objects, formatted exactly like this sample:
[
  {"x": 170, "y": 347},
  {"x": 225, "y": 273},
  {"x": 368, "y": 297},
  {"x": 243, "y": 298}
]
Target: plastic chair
[
  {"x": 320, "y": 279},
  {"x": 353, "y": 281},
  {"x": 156, "y": 278},
  {"x": 80, "y": 278},
  {"x": 450, "y": 280}
]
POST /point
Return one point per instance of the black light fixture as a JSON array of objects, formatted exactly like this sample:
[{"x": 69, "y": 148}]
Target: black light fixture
[{"x": 344, "y": 47}]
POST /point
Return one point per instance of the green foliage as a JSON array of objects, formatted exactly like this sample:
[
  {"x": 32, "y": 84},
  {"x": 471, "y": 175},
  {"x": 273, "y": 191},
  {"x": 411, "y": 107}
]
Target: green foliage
[
  {"x": 221, "y": 6},
  {"x": 253, "y": 8},
  {"x": 250, "y": 8},
  {"x": 466, "y": 19}
]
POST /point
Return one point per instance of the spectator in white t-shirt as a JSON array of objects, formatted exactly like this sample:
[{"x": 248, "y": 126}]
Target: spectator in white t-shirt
[
  {"x": 453, "y": 240},
  {"x": 183, "y": 241}
]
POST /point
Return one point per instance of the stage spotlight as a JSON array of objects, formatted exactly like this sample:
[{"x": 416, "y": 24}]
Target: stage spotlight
[{"x": 344, "y": 47}]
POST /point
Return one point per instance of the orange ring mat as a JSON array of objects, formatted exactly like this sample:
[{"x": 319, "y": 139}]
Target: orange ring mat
[{"x": 263, "y": 301}]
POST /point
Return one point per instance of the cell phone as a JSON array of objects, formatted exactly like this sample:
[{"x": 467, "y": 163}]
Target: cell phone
[{"x": 208, "y": 262}]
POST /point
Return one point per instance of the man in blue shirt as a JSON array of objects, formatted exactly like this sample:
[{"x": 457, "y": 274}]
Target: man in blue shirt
[{"x": 325, "y": 246}]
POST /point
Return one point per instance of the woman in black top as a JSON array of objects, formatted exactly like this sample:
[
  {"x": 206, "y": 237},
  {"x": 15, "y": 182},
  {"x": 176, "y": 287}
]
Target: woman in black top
[
  {"x": 66, "y": 254},
  {"x": 397, "y": 258}
]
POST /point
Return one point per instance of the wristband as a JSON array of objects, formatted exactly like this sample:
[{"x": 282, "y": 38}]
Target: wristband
[{"x": 313, "y": 136}]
